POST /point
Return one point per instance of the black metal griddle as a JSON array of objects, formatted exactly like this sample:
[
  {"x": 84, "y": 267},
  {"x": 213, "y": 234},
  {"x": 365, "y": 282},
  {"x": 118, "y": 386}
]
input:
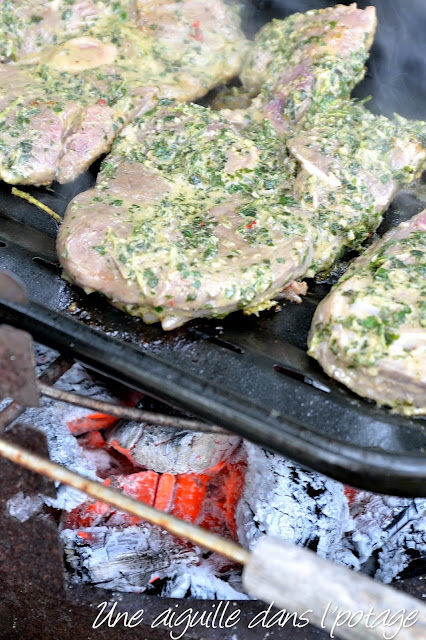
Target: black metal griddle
[{"x": 249, "y": 374}]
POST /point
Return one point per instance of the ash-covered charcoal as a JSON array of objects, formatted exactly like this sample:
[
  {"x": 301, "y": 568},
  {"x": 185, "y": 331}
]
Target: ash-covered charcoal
[
  {"x": 4, "y": 402},
  {"x": 51, "y": 419},
  {"x": 201, "y": 582},
  {"x": 244, "y": 494},
  {"x": 55, "y": 420},
  {"x": 107, "y": 461},
  {"x": 79, "y": 380},
  {"x": 401, "y": 550},
  {"x": 371, "y": 515},
  {"x": 114, "y": 550},
  {"x": 281, "y": 499},
  {"x": 383, "y": 538},
  {"x": 207, "y": 499},
  {"x": 168, "y": 450},
  {"x": 126, "y": 559}
]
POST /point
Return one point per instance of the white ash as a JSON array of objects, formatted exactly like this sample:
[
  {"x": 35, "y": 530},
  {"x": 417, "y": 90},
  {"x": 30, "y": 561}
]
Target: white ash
[
  {"x": 51, "y": 419},
  {"x": 125, "y": 559},
  {"x": 103, "y": 462},
  {"x": 128, "y": 559},
  {"x": 23, "y": 507},
  {"x": 281, "y": 499},
  {"x": 371, "y": 514},
  {"x": 202, "y": 583},
  {"x": 398, "y": 553},
  {"x": 78, "y": 380},
  {"x": 44, "y": 357},
  {"x": 384, "y": 552},
  {"x": 4, "y": 402},
  {"x": 168, "y": 450},
  {"x": 405, "y": 544}
]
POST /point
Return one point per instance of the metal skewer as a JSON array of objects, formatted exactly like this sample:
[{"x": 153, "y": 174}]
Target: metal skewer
[
  {"x": 174, "y": 525},
  {"x": 129, "y": 412},
  {"x": 276, "y": 572}
]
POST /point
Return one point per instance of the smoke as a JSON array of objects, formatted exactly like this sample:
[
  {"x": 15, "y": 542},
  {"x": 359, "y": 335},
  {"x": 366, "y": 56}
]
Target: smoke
[{"x": 396, "y": 75}]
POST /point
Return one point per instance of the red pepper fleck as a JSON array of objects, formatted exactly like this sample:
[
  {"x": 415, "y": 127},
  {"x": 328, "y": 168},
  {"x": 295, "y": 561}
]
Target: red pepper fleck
[
  {"x": 201, "y": 224},
  {"x": 171, "y": 303},
  {"x": 102, "y": 102},
  {"x": 196, "y": 34},
  {"x": 251, "y": 224}
]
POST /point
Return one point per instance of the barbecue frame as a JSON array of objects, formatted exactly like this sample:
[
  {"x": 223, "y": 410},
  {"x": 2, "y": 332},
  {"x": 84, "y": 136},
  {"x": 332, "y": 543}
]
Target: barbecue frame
[{"x": 250, "y": 375}]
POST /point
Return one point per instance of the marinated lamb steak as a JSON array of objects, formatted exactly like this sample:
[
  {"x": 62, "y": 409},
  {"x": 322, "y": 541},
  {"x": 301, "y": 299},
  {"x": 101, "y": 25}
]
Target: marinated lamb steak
[
  {"x": 351, "y": 161},
  {"x": 189, "y": 218},
  {"x": 298, "y": 65},
  {"x": 370, "y": 331},
  {"x": 196, "y": 216},
  {"x": 73, "y": 73}
]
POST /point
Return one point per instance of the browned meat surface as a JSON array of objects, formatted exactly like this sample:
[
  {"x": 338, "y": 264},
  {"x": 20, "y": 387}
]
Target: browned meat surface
[
  {"x": 74, "y": 73},
  {"x": 370, "y": 332},
  {"x": 189, "y": 218}
]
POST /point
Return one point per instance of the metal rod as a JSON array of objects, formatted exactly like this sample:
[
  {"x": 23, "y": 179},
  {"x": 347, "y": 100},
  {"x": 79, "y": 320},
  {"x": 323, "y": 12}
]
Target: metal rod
[
  {"x": 177, "y": 527},
  {"x": 129, "y": 412}
]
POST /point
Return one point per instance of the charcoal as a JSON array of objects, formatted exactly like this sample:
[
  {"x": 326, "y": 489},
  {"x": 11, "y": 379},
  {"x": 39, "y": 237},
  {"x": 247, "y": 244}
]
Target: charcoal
[
  {"x": 125, "y": 559},
  {"x": 281, "y": 499},
  {"x": 168, "y": 450}
]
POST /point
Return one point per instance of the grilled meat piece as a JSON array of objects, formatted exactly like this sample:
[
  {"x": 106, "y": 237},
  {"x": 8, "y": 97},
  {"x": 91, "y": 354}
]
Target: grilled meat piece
[
  {"x": 370, "y": 332},
  {"x": 352, "y": 165},
  {"x": 299, "y": 64},
  {"x": 198, "y": 217},
  {"x": 84, "y": 69},
  {"x": 189, "y": 218},
  {"x": 351, "y": 162}
]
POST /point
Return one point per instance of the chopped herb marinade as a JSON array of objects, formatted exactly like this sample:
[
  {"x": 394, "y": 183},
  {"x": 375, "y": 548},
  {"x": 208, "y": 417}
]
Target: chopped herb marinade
[
  {"x": 300, "y": 64},
  {"x": 351, "y": 162}
]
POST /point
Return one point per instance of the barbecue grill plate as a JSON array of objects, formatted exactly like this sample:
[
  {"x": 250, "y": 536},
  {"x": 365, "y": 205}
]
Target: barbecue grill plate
[{"x": 251, "y": 375}]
